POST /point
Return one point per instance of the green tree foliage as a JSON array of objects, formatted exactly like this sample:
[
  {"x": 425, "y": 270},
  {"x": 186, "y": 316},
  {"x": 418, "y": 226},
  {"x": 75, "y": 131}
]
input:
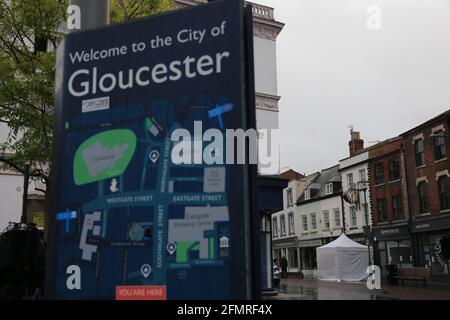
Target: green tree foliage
[
  {"x": 124, "y": 10},
  {"x": 27, "y": 71}
]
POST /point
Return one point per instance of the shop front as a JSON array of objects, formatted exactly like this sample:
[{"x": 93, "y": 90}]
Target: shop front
[
  {"x": 287, "y": 248},
  {"x": 392, "y": 245},
  {"x": 428, "y": 234},
  {"x": 308, "y": 256}
]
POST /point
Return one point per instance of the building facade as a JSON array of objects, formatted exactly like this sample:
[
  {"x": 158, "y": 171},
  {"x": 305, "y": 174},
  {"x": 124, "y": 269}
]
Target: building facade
[
  {"x": 11, "y": 188},
  {"x": 319, "y": 217},
  {"x": 426, "y": 150},
  {"x": 11, "y": 201},
  {"x": 284, "y": 228},
  {"x": 354, "y": 175},
  {"x": 389, "y": 203},
  {"x": 11, "y": 194}
]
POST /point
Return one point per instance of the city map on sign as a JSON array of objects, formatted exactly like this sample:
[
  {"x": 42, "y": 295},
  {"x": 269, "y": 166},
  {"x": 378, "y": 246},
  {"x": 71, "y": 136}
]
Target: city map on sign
[{"x": 151, "y": 221}]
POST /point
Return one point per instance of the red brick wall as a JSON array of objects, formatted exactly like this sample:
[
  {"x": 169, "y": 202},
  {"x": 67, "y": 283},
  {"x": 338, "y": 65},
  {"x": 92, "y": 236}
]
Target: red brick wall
[
  {"x": 431, "y": 166},
  {"x": 383, "y": 153}
]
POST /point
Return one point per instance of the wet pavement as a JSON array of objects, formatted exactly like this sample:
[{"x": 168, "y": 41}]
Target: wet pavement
[{"x": 313, "y": 289}]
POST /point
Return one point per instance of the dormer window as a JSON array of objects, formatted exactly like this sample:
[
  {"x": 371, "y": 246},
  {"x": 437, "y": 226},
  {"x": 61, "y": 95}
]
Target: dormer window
[
  {"x": 307, "y": 194},
  {"x": 329, "y": 188}
]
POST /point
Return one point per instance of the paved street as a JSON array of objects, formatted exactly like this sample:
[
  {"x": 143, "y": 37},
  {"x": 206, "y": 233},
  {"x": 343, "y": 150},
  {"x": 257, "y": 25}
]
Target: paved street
[{"x": 313, "y": 289}]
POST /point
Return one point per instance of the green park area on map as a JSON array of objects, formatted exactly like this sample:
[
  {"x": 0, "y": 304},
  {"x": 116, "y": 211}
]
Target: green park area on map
[{"x": 103, "y": 156}]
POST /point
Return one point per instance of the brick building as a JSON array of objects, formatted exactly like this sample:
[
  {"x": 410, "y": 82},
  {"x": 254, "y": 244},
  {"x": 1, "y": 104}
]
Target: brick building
[
  {"x": 389, "y": 204},
  {"x": 427, "y": 167}
]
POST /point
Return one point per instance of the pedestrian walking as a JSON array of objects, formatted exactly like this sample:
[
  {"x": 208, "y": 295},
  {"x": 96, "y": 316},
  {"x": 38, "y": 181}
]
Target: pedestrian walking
[
  {"x": 284, "y": 267},
  {"x": 276, "y": 273}
]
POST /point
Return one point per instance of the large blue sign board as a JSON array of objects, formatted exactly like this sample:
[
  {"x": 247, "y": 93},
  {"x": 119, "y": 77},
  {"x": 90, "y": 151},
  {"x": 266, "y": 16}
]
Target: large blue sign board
[{"x": 128, "y": 220}]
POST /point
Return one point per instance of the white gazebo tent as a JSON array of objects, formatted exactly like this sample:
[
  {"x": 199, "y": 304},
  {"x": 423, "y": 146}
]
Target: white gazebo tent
[{"x": 342, "y": 260}]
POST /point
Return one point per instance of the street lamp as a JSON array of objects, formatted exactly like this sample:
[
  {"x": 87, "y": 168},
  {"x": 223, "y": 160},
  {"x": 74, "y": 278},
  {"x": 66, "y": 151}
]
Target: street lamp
[
  {"x": 26, "y": 181},
  {"x": 363, "y": 186}
]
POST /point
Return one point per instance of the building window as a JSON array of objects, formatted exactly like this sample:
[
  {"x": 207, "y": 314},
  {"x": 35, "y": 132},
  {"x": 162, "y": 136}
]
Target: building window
[
  {"x": 382, "y": 213},
  {"x": 283, "y": 225},
  {"x": 398, "y": 252},
  {"x": 289, "y": 198},
  {"x": 293, "y": 257},
  {"x": 362, "y": 175},
  {"x": 329, "y": 188},
  {"x": 353, "y": 217},
  {"x": 305, "y": 223},
  {"x": 397, "y": 207},
  {"x": 265, "y": 223},
  {"x": 443, "y": 192},
  {"x": 350, "y": 183},
  {"x": 313, "y": 221},
  {"x": 275, "y": 227},
  {"x": 307, "y": 194},
  {"x": 439, "y": 145},
  {"x": 337, "y": 217},
  {"x": 419, "y": 152},
  {"x": 291, "y": 223},
  {"x": 379, "y": 173},
  {"x": 366, "y": 213},
  {"x": 308, "y": 258},
  {"x": 423, "y": 196},
  {"x": 394, "y": 169},
  {"x": 326, "y": 219}
]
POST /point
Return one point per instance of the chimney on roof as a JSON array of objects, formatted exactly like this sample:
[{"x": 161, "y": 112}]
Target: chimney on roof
[{"x": 356, "y": 143}]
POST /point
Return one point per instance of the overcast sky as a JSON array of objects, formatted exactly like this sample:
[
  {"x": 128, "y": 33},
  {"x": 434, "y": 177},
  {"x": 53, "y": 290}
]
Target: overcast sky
[{"x": 333, "y": 71}]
